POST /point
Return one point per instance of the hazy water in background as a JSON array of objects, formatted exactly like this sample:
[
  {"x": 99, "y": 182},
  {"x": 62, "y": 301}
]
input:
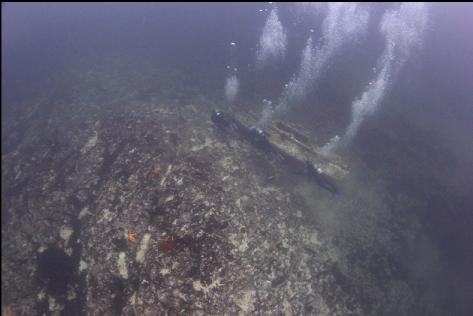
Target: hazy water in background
[{"x": 422, "y": 132}]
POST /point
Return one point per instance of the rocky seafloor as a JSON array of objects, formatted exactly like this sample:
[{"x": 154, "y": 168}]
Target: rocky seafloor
[{"x": 116, "y": 201}]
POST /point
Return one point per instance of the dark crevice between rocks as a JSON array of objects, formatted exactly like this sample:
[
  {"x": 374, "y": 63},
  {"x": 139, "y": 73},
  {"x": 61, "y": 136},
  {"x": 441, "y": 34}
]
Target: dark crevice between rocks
[
  {"x": 109, "y": 157},
  {"x": 119, "y": 299},
  {"x": 204, "y": 259},
  {"x": 62, "y": 169},
  {"x": 59, "y": 272},
  {"x": 56, "y": 272}
]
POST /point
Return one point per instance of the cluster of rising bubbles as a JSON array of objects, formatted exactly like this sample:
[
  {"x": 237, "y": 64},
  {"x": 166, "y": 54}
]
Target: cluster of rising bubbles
[
  {"x": 231, "y": 88},
  {"x": 230, "y": 68},
  {"x": 273, "y": 41},
  {"x": 232, "y": 83},
  {"x": 267, "y": 112},
  {"x": 344, "y": 22},
  {"x": 403, "y": 31}
]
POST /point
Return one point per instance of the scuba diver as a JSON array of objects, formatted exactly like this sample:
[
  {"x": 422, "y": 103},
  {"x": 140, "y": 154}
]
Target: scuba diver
[
  {"x": 226, "y": 123},
  {"x": 257, "y": 137},
  {"x": 254, "y": 135},
  {"x": 218, "y": 118}
]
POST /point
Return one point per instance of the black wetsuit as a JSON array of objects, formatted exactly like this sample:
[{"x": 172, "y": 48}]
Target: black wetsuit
[
  {"x": 259, "y": 139},
  {"x": 321, "y": 179}
]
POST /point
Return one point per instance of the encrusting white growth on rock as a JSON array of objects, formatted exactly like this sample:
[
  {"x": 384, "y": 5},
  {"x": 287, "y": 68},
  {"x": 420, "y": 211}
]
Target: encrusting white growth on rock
[
  {"x": 106, "y": 216},
  {"x": 90, "y": 143},
  {"x": 168, "y": 171},
  {"x": 198, "y": 286},
  {"x": 241, "y": 245},
  {"x": 82, "y": 265},
  {"x": 246, "y": 301},
  {"x": 84, "y": 212},
  {"x": 41, "y": 295},
  {"x": 122, "y": 266},
  {"x": 140, "y": 255},
  {"x": 53, "y": 306}
]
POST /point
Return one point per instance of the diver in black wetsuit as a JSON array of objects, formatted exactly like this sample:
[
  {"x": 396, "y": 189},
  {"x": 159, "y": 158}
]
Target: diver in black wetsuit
[
  {"x": 319, "y": 177},
  {"x": 218, "y": 118},
  {"x": 254, "y": 135},
  {"x": 259, "y": 139}
]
